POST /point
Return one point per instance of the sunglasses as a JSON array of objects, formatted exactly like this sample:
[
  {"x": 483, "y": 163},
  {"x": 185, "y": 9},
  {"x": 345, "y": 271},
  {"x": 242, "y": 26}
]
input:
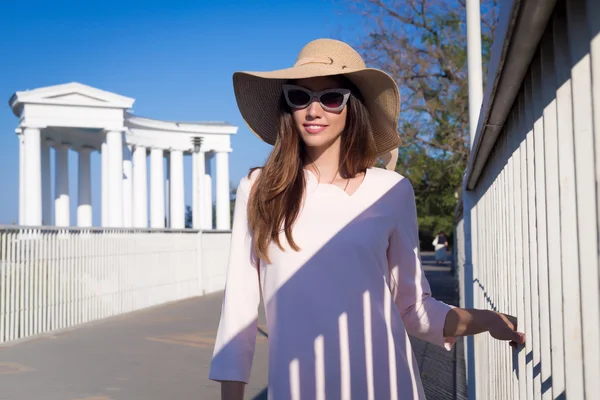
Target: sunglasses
[{"x": 332, "y": 100}]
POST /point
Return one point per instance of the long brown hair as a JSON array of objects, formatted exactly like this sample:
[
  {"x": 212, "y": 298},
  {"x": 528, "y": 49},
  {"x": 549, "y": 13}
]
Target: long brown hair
[{"x": 276, "y": 196}]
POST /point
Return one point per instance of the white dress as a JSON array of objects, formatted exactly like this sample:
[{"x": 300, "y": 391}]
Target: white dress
[{"x": 338, "y": 310}]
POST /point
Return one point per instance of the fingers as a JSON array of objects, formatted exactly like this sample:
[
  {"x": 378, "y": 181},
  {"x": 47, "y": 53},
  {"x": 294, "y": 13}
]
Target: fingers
[
  {"x": 511, "y": 334},
  {"x": 518, "y": 339}
]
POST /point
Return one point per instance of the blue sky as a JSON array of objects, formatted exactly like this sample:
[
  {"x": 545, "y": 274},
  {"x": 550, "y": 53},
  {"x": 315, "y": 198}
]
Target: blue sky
[{"x": 174, "y": 57}]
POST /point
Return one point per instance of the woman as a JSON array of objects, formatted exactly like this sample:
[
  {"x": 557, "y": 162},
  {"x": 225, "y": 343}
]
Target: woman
[
  {"x": 331, "y": 241},
  {"x": 440, "y": 244}
]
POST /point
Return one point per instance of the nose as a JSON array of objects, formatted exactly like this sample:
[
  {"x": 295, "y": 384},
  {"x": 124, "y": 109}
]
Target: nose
[{"x": 314, "y": 108}]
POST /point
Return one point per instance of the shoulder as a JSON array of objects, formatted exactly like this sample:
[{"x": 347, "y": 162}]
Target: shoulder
[
  {"x": 391, "y": 181},
  {"x": 246, "y": 183},
  {"x": 395, "y": 194}
]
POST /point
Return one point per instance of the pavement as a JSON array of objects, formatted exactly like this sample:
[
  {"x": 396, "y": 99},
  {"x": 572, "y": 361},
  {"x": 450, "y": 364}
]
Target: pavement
[
  {"x": 163, "y": 353},
  {"x": 442, "y": 372}
]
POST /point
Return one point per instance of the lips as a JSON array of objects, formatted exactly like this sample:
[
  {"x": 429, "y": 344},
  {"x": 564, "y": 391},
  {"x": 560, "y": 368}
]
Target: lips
[{"x": 314, "y": 128}]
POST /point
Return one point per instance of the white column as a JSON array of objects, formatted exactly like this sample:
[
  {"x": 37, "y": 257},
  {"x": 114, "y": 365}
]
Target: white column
[
  {"x": 140, "y": 188},
  {"x": 104, "y": 184},
  {"x": 46, "y": 184},
  {"x": 177, "y": 190},
  {"x": 198, "y": 211},
  {"x": 114, "y": 144},
  {"x": 222, "y": 190},
  {"x": 157, "y": 189},
  {"x": 61, "y": 186},
  {"x": 22, "y": 178},
  {"x": 167, "y": 191},
  {"x": 33, "y": 177},
  {"x": 195, "y": 180},
  {"x": 208, "y": 203},
  {"x": 127, "y": 188},
  {"x": 84, "y": 195}
]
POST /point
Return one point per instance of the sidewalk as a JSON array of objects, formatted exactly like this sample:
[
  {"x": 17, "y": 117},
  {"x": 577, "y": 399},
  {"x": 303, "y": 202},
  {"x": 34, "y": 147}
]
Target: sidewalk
[
  {"x": 164, "y": 354},
  {"x": 442, "y": 372}
]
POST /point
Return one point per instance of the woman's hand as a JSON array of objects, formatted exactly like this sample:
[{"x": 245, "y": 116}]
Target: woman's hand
[
  {"x": 504, "y": 327},
  {"x": 467, "y": 322}
]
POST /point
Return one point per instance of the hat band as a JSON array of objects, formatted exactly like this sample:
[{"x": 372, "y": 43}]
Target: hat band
[{"x": 314, "y": 60}]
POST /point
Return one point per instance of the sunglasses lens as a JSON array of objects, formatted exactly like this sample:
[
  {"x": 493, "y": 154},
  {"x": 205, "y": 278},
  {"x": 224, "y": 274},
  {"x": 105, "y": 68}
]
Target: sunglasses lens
[
  {"x": 332, "y": 99},
  {"x": 298, "y": 97}
]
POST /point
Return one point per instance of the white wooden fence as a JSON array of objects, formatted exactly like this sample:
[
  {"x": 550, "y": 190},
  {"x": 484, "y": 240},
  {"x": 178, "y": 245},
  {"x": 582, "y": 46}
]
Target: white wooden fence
[
  {"x": 54, "y": 278},
  {"x": 527, "y": 238}
]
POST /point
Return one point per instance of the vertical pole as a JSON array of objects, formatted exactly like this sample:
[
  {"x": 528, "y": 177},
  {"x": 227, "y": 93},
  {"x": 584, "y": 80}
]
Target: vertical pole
[
  {"x": 475, "y": 75},
  {"x": 475, "y": 68}
]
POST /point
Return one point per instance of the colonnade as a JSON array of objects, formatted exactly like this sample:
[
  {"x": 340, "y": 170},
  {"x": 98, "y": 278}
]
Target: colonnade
[{"x": 124, "y": 184}]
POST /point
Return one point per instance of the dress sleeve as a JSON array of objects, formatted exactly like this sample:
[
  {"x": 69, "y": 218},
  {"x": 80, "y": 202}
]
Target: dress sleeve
[
  {"x": 423, "y": 316},
  {"x": 236, "y": 335}
]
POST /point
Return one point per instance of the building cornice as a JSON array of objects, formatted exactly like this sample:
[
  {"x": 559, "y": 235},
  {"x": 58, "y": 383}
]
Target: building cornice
[{"x": 213, "y": 128}]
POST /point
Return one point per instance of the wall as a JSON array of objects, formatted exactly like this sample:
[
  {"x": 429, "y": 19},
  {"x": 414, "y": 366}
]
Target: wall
[
  {"x": 215, "y": 254},
  {"x": 527, "y": 237}
]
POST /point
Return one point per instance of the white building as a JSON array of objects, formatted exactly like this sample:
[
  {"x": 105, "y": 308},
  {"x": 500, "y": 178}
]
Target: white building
[{"x": 84, "y": 119}]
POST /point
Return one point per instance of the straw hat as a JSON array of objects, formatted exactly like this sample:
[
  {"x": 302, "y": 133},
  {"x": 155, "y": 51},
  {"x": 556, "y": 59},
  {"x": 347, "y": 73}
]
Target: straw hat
[{"x": 258, "y": 93}]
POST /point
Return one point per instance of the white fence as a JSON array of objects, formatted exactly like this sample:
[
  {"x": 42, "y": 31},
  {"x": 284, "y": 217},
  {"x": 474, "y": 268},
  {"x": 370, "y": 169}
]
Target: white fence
[
  {"x": 56, "y": 278},
  {"x": 527, "y": 242}
]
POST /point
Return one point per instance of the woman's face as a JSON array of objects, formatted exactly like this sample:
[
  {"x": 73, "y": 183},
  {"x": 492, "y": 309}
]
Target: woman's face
[{"x": 318, "y": 127}]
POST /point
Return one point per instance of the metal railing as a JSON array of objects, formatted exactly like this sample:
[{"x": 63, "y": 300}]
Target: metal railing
[
  {"x": 527, "y": 237},
  {"x": 54, "y": 278}
]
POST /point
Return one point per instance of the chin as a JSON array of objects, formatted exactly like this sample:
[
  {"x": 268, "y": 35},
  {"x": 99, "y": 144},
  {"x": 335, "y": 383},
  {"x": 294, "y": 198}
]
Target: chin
[{"x": 317, "y": 141}]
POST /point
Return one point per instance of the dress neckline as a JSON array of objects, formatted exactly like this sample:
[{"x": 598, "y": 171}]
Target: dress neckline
[{"x": 313, "y": 178}]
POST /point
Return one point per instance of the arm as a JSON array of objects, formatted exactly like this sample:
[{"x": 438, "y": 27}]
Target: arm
[
  {"x": 236, "y": 336},
  {"x": 462, "y": 322},
  {"x": 422, "y": 315}
]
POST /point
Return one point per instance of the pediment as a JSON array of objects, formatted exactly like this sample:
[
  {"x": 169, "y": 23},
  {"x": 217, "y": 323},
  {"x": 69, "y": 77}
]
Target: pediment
[
  {"x": 74, "y": 94},
  {"x": 77, "y": 98}
]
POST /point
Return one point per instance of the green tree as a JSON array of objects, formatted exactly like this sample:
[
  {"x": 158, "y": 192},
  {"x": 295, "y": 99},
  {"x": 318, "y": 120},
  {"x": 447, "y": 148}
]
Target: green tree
[
  {"x": 188, "y": 217},
  {"x": 422, "y": 45},
  {"x": 436, "y": 181}
]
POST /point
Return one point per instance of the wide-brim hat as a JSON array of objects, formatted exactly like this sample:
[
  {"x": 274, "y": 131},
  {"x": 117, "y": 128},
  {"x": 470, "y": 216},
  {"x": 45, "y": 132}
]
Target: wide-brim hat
[{"x": 258, "y": 93}]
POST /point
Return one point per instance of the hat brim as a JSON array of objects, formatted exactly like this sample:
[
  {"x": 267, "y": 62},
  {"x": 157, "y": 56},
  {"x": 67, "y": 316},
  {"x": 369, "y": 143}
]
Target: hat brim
[{"x": 258, "y": 95}]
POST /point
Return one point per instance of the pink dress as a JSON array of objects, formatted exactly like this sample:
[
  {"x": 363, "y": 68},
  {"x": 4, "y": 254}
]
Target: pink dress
[{"x": 338, "y": 311}]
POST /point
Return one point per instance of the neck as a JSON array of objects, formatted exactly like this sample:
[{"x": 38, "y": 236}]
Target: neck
[{"x": 324, "y": 162}]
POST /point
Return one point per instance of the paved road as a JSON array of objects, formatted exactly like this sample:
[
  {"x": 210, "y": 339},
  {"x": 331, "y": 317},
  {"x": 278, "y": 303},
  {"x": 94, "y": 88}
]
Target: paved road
[
  {"x": 442, "y": 372},
  {"x": 163, "y": 353}
]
